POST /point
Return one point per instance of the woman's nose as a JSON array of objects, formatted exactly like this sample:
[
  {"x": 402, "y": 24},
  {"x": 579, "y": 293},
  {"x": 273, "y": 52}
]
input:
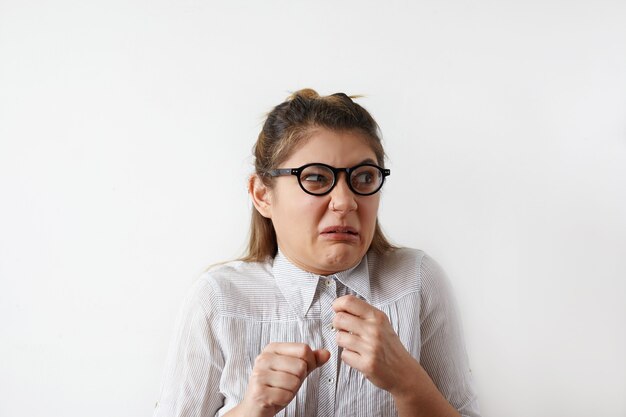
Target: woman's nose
[{"x": 342, "y": 199}]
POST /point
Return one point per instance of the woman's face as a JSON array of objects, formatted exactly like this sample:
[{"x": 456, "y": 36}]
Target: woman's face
[{"x": 330, "y": 233}]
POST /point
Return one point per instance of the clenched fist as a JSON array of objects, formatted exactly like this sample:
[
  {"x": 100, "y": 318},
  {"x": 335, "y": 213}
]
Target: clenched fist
[{"x": 277, "y": 375}]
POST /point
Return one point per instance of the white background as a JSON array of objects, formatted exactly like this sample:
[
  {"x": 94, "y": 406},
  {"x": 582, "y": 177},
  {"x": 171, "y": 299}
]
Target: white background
[{"x": 125, "y": 136}]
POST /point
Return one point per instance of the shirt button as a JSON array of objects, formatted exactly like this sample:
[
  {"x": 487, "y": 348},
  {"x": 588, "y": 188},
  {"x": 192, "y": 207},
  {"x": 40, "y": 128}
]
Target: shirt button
[
  {"x": 331, "y": 327},
  {"x": 329, "y": 282},
  {"x": 330, "y": 380}
]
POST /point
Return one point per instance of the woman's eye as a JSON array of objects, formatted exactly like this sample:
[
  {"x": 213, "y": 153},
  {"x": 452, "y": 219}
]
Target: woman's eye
[
  {"x": 364, "y": 178},
  {"x": 315, "y": 178}
]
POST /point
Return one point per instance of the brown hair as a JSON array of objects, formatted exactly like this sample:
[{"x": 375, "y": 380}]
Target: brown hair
[{"x": 287, "y": 126}]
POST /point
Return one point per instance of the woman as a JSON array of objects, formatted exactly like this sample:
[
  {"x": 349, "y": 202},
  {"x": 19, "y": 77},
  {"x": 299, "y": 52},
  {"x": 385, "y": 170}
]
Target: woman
[{"x": 323, "y": 316}]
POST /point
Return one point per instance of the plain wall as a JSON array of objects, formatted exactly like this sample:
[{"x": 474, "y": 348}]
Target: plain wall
[{"x": 126, "y": 130}]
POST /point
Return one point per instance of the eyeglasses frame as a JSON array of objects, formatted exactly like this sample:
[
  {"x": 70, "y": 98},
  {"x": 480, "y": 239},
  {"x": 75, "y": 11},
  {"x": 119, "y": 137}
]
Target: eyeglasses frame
[{"x": 336, "y": 171}]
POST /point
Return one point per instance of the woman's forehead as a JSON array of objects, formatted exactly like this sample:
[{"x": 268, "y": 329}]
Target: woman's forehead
[{"x": 336, "y": 148}]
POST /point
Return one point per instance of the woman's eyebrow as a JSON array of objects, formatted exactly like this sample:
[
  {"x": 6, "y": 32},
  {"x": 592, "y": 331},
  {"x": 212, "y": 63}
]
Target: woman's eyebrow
[{"x": 368, "y": 161}]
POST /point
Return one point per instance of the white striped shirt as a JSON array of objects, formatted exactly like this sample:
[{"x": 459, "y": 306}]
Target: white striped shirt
[{"x": 236, "y": 309}]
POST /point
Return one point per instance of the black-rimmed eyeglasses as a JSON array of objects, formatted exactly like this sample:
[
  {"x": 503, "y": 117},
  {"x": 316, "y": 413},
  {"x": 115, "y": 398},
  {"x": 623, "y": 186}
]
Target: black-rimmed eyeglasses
[{"x": 320, "y": 179}]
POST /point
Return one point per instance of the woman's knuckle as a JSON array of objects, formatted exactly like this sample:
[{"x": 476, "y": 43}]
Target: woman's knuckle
[
  {"x": 302, "y": 350},
  {"x": 302, "y": 369},
  {"x": 295, "y": 383},
  {"x": 257, "y": 361},
  {"x": 260, "y": 358},
  {"x": 284, "y": 398}
]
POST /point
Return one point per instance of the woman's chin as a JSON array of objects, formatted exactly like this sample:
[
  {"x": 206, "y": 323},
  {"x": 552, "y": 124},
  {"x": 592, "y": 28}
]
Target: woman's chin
[{"x": 341, "y": 258}]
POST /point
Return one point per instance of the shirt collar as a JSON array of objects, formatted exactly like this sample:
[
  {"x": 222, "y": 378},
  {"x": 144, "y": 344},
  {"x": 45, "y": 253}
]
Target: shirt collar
[{"x": 298, "y": 286}]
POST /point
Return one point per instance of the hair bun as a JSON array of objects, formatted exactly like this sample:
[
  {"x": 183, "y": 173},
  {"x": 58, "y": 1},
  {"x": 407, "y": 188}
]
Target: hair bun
[{"x": 307, "y": 93}]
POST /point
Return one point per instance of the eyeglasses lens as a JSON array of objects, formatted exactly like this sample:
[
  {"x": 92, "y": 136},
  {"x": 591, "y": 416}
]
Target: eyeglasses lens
[
  {"x": 366, "y": 179},
  {"x": 317, "y": 179}
]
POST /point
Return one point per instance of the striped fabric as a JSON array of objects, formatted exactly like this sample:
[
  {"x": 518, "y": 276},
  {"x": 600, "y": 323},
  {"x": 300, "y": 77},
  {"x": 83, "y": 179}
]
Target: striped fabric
[{"x": 236, "y": 309}]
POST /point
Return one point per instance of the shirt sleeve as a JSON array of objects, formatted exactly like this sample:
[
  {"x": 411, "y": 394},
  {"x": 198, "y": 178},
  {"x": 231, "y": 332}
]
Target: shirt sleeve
[
  {"x": 443, "y": 355},
  {"x": 190, "y": 386}
]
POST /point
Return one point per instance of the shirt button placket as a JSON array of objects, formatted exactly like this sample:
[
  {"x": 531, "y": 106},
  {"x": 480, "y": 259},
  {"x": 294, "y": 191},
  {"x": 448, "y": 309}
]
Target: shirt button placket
[{"x": 328, "y": 372}]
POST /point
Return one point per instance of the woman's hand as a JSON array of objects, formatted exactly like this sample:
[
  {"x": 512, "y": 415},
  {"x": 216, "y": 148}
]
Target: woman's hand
[
  {"x": 370, "y": 345},
  {"x": 277, "y": 376}
]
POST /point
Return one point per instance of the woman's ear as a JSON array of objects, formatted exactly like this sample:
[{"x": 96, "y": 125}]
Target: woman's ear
[{"x": 261, "y": 196}]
